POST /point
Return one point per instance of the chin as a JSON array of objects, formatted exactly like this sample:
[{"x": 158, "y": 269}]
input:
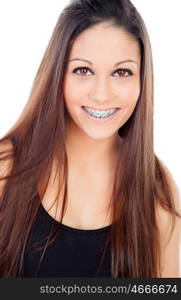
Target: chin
[{"x": 101, "y": 135}]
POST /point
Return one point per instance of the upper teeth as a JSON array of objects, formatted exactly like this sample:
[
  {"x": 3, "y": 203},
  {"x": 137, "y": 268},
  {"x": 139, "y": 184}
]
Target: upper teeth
[{"x": 110, "y": 111}]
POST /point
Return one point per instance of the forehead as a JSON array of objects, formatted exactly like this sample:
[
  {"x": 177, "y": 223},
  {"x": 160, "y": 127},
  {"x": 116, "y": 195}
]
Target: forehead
[{"x": 104, "y": 41}]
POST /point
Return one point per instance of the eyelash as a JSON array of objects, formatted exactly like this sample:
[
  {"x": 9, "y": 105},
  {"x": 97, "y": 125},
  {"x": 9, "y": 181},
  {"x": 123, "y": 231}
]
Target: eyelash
[{"x": 125, "y": 70}]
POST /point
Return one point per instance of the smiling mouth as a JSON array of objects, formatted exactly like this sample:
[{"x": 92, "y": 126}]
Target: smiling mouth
[
  {"x": 98, "y": 109},
  {"x": 100, "y": 114}
]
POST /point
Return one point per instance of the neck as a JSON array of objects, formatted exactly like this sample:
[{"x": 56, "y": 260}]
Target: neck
[{"x": 88, "y": 154}]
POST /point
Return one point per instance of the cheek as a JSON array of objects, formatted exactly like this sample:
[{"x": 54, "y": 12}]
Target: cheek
[
  {"x": 129, "y": 96},
  {"x": 72, "y": 92},
  {"x": 129, "y": 99},
  {"x": 69, "y": 94}
]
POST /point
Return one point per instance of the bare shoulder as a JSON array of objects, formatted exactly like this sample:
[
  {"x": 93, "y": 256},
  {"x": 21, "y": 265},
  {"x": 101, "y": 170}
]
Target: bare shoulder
[
  {"x": 5, "y": 165},
  {"x": 170, "y": 244},
  {"x": 164, "y": 215}
]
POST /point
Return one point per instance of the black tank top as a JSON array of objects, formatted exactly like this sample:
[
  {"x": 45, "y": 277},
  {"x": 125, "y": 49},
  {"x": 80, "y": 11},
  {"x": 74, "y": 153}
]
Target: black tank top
[{"x": 74, "y": 253}]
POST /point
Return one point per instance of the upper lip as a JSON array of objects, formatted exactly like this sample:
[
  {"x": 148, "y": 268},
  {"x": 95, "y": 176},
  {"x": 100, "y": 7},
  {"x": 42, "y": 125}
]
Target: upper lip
[{"x": 94, "y": 108}]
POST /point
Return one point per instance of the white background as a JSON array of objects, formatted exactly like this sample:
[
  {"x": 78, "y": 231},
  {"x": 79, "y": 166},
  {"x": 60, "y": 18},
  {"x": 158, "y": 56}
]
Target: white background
[{"x": 25, "y": 29}]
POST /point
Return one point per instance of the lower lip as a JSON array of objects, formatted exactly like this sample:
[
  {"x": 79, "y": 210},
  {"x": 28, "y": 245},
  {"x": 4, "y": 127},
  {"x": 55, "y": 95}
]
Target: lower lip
[{"x": 100, "y": 119}]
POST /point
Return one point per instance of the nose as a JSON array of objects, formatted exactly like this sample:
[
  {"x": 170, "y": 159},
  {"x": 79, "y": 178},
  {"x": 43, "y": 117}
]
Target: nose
[{"x": 100, "y": 91}]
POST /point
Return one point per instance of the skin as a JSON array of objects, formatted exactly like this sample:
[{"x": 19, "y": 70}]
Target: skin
[
  {"x": 100, "y": 88},
  {"x": 92, "y": 147}
]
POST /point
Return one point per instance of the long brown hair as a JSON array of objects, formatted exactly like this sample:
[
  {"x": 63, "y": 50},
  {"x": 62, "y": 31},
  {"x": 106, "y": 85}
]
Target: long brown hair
[{"x": 38, "y": 137}]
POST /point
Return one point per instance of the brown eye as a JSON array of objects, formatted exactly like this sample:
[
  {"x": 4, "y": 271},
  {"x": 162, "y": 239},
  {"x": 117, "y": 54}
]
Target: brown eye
[
  {"x": 124, "y": 71},
  {"x": 82, "y": 69}
]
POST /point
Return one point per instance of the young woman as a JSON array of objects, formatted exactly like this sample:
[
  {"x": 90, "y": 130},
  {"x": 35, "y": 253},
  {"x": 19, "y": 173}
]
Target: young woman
[{"x": 82, "y": 193}]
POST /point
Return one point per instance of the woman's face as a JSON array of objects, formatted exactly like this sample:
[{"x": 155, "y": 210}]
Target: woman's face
[{"x": 95, "y": 81}]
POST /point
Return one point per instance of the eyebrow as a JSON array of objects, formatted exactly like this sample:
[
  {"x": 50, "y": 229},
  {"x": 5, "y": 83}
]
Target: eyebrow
[{"x": 118, "y": 63}]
